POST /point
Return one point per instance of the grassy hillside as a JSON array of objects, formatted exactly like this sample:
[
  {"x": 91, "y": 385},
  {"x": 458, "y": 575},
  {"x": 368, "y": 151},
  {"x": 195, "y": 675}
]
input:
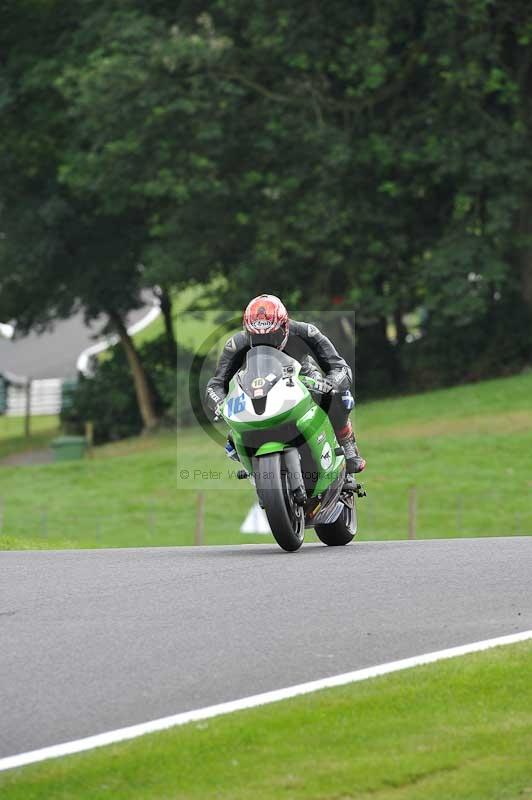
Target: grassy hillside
[
  {"x": 467, "y": 450},
  {"x": 458, "y": 729},
  {"x": 13, "y": 440}
]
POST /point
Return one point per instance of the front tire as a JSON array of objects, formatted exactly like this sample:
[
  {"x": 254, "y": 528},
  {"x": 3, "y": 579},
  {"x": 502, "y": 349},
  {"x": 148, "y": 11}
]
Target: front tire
[
  {"x": 285, "y": 517},
  {"x": 340, "y": 532}
]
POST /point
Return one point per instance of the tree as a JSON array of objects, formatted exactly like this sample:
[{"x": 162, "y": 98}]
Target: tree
[
  {"x": 59, "y": 251},
  {"x": 371, "y": 154}
]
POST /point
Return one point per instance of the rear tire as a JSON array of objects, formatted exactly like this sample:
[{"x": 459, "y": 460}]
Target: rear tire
[
  {"x": 340, "y": 532},
  {"x": 285, "y": 517}
]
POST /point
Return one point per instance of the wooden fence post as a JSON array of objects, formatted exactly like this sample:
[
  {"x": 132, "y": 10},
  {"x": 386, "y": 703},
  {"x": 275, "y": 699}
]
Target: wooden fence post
[
  {"x": 89, "y": 436},
  {"x": 412, "y": 512},
  {"x": 27, "y": 413},
  {"x": 200, "y": 519}
]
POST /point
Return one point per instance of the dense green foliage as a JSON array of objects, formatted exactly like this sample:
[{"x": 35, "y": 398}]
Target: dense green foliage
[
  {"x": 375, "y": 155},
  {"x": 107, "y": 399}
]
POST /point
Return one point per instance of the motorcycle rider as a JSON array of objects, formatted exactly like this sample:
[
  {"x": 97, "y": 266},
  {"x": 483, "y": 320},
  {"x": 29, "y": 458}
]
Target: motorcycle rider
[{"x": 266, "y": 322}]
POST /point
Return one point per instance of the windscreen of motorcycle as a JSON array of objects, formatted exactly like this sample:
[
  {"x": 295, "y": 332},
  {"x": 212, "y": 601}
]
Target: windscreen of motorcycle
[
  {"x": 263, "y": 368},
  {"x": 265, "y": 387}
]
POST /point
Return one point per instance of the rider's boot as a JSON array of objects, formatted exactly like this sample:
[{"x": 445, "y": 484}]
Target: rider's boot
[
  {"x": 230, "y": 450},
  {"x": 353, "y": 460}
]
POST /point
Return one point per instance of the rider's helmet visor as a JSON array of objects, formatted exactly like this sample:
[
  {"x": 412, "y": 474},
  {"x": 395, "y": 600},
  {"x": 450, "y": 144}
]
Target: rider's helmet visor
[{"x": 272, "y": 339}]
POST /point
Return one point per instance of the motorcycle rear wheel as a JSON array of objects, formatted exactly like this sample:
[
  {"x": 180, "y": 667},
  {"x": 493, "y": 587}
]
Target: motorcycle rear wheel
[
  {"x": 285, "y": 517},
  {"x": 340, "y": 532}
]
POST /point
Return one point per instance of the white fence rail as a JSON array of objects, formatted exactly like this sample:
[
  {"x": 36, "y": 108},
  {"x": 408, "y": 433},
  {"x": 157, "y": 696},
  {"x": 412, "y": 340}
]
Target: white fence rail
[{"x": 44, "y": 398}]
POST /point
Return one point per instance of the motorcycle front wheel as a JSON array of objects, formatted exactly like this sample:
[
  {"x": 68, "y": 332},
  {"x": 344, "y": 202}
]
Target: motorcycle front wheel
[{"x": 285, "y": 517}]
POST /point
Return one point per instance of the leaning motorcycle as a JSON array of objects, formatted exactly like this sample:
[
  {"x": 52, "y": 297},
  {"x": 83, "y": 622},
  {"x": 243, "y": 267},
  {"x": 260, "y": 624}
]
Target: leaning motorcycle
[{"x": 288, "y": 449}]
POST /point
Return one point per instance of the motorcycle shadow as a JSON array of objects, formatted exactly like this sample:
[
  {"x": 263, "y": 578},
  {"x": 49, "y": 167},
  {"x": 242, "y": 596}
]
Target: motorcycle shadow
[{"x": 263, "y": 549}]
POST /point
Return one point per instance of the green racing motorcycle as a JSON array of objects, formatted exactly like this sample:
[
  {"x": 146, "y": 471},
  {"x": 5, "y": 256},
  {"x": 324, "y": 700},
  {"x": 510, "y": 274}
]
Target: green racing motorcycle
[{"x": 289, "y": 451}]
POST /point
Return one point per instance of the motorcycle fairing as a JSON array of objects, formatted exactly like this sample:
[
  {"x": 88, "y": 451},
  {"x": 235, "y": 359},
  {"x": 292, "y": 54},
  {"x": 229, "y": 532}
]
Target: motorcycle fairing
[{"x": 289, "y": 418}]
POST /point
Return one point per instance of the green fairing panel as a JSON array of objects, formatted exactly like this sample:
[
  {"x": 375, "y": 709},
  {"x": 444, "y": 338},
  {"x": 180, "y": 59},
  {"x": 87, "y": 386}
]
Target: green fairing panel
[
  {"x": 241, "y": 450},
  {"x": 319, "y": 434},
  {"x": 270, "y": 447},
  {"x": 314, "y": 425}
]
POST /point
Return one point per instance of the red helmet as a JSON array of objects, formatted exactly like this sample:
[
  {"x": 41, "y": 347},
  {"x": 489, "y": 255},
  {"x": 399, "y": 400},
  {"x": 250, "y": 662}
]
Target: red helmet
[{"x": 266, "y": 321}]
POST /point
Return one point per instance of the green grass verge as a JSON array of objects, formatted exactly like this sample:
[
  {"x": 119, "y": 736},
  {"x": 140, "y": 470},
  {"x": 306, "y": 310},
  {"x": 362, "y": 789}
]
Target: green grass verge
[
  {"x": 459, "y": 729},
  {"x": 468, "y": 452},
  {"x": 13, "y": 440}
]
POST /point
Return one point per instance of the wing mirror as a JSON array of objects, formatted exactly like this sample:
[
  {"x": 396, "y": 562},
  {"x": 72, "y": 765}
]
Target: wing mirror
[{"x": 288, "y": 374}]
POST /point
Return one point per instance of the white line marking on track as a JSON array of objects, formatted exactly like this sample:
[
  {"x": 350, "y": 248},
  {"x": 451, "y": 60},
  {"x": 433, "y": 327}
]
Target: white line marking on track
[{"x": 133, "y": 731}]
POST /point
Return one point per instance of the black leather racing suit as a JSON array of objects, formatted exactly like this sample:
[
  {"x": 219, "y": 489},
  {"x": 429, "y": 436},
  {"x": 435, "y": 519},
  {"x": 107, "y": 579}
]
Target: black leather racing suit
[{"x": 304, "y": 340}]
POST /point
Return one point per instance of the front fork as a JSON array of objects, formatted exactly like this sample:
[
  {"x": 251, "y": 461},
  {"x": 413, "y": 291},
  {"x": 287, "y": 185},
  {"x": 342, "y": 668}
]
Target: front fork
[{"x": 292, "y": 461}]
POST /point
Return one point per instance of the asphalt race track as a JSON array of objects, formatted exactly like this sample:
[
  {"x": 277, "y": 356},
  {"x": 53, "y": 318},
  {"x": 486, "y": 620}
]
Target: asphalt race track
[{"x": 95, "y": 640}]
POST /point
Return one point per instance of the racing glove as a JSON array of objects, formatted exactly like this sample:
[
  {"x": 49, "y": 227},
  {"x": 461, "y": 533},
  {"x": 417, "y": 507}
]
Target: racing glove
[
  {"x": 217, "y": 414},
  {"x": 215, "y": 402},
  {"x": 323, "y": 385}
]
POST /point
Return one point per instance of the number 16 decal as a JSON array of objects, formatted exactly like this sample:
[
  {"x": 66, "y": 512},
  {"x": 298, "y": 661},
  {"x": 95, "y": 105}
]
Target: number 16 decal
[{"x": 236, "y": 404}]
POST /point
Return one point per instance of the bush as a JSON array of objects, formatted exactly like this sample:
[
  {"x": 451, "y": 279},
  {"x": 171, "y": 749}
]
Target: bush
[
  {"x": 108, "y": 398},
  {"x": 497, "y": 345}
]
